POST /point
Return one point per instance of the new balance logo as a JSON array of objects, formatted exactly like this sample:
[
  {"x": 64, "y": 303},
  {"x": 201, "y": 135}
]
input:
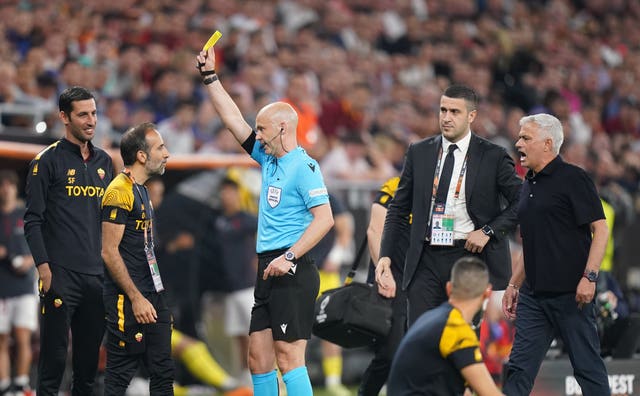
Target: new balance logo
[
  {"x": 312, "y": 167},
  {"x": 283, "y": 327}
]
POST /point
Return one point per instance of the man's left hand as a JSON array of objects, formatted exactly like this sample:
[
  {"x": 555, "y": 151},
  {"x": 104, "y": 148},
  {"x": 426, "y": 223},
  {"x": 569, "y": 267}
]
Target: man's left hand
[
  {"x": 476, "y": 241},
  {"x": 585, "y": 292}
]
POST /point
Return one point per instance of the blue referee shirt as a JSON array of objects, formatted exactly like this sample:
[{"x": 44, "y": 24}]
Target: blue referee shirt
[{"x": 291, "y": 185}]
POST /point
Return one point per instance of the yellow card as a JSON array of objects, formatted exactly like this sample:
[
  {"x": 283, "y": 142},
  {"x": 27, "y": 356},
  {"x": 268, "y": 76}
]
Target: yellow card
[{"x": 212, "y": 40}]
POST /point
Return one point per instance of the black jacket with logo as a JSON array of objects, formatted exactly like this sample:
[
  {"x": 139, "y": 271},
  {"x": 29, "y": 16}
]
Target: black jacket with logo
[{"x": 64, "y": 194}]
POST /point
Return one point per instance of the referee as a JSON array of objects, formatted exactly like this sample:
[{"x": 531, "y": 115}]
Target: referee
[{"x": 294, "y": 214}]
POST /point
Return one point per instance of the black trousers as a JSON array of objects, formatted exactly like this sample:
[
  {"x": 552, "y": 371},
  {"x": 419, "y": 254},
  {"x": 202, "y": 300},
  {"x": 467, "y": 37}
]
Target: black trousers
[
  {"x": 74, "y": 302},
  {"x": 376, "y": 374},
  {"x": 427, "y": 289},
  {"x": 130, "y": 344}
]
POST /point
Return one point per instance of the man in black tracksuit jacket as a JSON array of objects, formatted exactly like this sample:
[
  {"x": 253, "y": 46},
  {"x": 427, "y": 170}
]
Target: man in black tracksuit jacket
[{"x": 65, "y": 185}]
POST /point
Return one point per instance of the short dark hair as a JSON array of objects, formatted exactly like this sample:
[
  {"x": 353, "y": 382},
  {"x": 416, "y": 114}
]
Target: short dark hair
[
  {"x": 134, "y": 140},
  {"x": 469, "y": 277},
  {"x": 459, "y": 91},
  {"x": 70, "y": 95},
  {"x": 9, "y": 175}
]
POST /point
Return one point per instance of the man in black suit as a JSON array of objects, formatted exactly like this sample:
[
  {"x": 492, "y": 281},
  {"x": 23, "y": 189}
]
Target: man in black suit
[{"x": 465, "y": 184}]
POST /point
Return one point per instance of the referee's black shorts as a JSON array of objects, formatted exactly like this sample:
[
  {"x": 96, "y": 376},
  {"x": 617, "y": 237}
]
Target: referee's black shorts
[{"x": 285, "y": 304}]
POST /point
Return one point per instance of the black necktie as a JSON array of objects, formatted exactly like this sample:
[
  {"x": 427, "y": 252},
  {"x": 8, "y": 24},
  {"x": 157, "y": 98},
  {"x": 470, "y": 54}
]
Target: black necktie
[{"x": 445, "y": 176}]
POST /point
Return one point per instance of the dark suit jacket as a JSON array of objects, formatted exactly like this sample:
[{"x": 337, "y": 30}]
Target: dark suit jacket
[{"x": 492, "y": 190}]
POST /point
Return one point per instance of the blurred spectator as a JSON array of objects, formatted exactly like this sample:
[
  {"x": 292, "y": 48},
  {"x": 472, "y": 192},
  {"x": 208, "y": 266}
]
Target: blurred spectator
[
  {"x": 299, "y": 95},
  {"x": 619, "y": 328},
  {"x": 23, "y": 33},
  {"x": 116, "y": 122},
  {"x": 236, "y": 232},
  {"x": 626, "y": 120},
  {"x": 10, "y": 92},
  {"x": 18, "y": 299},
  {"x": 496, "y": 337},
  {"x": 345, "y": 114},
  {"x": 355, "y": 159},
  {"x": 162, "y": 97},
  {"x": 184, "y": 245},
  {"x": 178, "y": 129},
  {"x": 392, "y": 148}
]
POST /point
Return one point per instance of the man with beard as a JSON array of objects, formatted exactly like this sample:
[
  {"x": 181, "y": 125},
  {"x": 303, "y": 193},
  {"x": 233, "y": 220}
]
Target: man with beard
[{"x": 138, "y": 319}]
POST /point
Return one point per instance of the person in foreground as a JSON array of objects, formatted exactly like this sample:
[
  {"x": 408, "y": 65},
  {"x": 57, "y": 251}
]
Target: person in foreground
[
  {"x": 564, "y": 237},
  {"x": 65, "y": 184},
  {"x": 293, "y": 216},
  {"x": 138, "y": 319},
  {"x": 440, "y": 354},
  {"x": 18, "y": 298}
]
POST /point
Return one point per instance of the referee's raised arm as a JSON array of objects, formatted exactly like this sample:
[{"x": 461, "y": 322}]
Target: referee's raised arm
[{"x": 222, "y": 102}]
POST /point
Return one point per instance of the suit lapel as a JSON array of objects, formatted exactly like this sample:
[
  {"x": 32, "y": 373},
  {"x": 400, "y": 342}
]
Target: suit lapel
[
  {"x": 475, "y": 153},
  {"x": 429, "y": 161}
]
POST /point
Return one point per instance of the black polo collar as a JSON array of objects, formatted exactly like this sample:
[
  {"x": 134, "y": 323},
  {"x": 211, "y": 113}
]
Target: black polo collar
[{"x": 548, "y": 169}]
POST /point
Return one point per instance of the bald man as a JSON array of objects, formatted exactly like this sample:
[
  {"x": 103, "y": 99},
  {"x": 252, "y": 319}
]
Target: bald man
[{"x": 294, "y": 214}]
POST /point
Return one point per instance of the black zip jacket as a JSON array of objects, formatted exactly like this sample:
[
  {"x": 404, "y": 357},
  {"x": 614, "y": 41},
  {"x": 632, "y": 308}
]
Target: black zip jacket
[{"x": 64, "y": 193}]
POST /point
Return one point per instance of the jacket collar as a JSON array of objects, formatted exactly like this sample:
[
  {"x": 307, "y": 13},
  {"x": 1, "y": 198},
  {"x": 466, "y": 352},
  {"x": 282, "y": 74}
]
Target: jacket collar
[{"x": 74, "y": 148}]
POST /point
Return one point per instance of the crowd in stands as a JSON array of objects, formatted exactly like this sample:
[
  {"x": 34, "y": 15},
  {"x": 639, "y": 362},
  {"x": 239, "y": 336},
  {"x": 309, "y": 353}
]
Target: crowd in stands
[
  {"x": 371, "y": 69},
  {"x": 374, "y": 69},
  {"x": 365, "y": 76}
]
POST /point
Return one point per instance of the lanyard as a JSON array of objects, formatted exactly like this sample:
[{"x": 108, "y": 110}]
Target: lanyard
[
  {"x": 148, "y": 214},
  {"x": 436, "y": 182},
  {"x": 148, "y": 240}
]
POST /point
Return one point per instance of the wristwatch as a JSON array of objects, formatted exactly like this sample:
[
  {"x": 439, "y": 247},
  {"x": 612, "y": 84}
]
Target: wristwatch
[
  {"x": 591, "y": 275},
  {"x": 488, "y": 231},
  {"x": 289, "y": 255}
]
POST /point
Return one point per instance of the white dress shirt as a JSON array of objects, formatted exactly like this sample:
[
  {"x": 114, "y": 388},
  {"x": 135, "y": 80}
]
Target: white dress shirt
[{"x": 462, "y": 223}]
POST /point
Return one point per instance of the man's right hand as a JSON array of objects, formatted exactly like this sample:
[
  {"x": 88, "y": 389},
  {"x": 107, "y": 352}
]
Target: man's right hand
[
  {"x": 384, "y": 278},
  {"x": 44, "y": 272},
  {"x": 206, "y": 60}
]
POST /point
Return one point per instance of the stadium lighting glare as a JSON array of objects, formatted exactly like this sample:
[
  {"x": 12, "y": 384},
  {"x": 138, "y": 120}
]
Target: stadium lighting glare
[{"x": 41, "y": 127}]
